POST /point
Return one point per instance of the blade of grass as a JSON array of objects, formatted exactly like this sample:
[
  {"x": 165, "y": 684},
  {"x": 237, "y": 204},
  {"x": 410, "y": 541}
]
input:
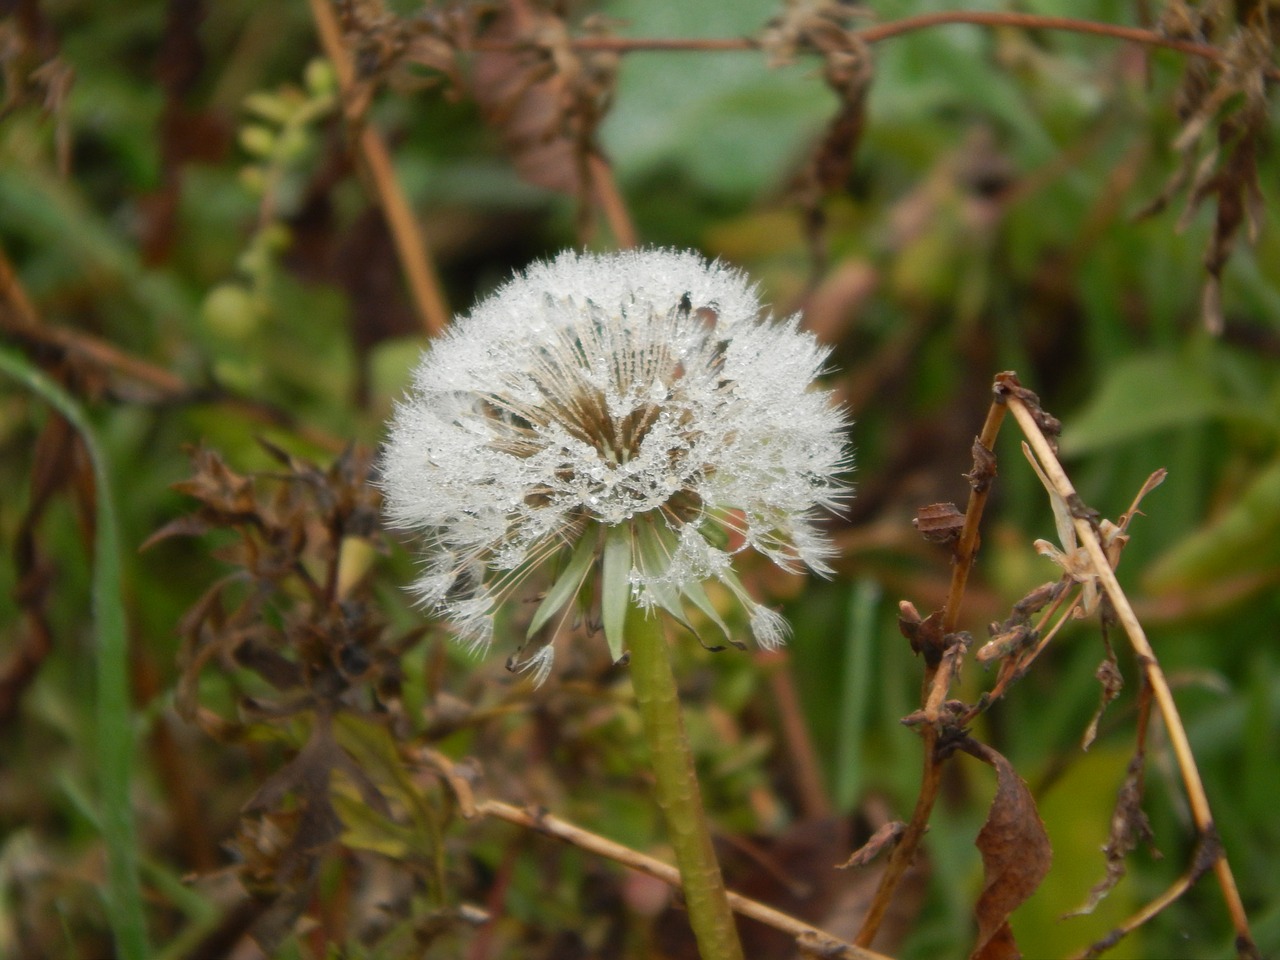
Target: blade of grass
[
  {"x": 114, "y": 747},
  {"x": 855, "y": 709}
]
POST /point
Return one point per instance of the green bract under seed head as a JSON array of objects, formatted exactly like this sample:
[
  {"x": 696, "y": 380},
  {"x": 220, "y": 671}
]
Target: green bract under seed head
[{"x": 629, "y": 416}]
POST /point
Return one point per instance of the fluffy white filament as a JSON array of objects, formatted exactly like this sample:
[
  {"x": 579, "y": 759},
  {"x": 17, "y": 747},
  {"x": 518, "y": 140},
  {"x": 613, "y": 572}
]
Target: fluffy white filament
[{"x": 641, "y": 390}]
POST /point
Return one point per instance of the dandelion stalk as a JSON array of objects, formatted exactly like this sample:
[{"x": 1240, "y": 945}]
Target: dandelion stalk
[{"x": 676, "y": 786}]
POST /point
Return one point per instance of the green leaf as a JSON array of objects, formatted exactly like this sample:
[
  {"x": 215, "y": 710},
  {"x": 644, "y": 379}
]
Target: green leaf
[
  {"x": 366, "y": 829},
  {"x": 258, "y": 140},
  {"x": 695, "y": 114},
  {"x": 570, "y": 581},
  {"x": 1139, "y": 397},
  {"x": 615, "y": 588},
  {"x": 374, "y": 751},
  {"x": 1244, "y": 538},
  {"x": 270, "y": 106}
]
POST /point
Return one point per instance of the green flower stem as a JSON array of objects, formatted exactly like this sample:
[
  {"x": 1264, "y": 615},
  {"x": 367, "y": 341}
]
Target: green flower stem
[{"x": 677, "y": 788}]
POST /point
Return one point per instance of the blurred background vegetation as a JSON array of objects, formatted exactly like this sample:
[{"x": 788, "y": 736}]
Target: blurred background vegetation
[{"x": 195, "y": 250}]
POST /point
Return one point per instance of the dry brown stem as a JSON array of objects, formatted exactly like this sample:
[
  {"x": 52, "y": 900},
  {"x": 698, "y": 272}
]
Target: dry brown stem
[
  {"x": 809, "y": 939},
  {"x": 411, "y": 244},
  {"x": 937, "y": 679},
  {"x": 605, "y": 186},
  {"x": 1102, "y": 569},
  {"x": 942, "y": 721}
]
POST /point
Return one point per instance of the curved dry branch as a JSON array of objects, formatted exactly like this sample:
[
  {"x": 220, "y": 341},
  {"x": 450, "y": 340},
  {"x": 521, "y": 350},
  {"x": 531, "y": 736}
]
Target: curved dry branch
[
  {"x": 809, "y": 939},
  {"x": 1089, "y": 539}
]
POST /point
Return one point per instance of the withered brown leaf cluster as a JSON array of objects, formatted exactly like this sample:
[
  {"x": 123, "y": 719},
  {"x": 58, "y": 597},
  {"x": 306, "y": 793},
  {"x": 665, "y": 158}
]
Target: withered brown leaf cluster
[
  {"x": 296, "y": 613},
  {"x": 293, "y": 610},
  {"x": 822, "y": 27},
  {"x": 1224, "y": 115}
]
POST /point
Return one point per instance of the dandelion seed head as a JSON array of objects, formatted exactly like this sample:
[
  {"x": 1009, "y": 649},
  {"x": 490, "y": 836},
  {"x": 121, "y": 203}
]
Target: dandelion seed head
[{"x": 641, "y": 391}]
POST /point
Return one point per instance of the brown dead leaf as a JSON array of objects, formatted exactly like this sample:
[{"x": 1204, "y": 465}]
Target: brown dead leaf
[
  {"x": 821, "y": 27},
  {"x": 925, "y": 635},
  {"x": 1015, "y": 856},
  {"x": 546, "y": 100}
]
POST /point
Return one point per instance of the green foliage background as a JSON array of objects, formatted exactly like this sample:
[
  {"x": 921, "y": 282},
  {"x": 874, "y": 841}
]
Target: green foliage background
[{"x": 987, "y": 224}]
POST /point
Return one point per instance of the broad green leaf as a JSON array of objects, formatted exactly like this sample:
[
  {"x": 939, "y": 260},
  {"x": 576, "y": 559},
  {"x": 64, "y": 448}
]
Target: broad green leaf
[
  {"x": 567, "y": 586},
  {"x": 1139, "y": 397},
  {"x": 615, "y": 588},
  {"x": 374, "y": 751},
  {"x": 726, "y": 119},
  {"x": 1077, "y": 810},
  {"x": 1244, "y": 538}
]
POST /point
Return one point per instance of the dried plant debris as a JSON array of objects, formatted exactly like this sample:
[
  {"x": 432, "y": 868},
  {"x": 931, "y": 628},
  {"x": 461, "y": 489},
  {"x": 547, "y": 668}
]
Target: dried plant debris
[
  {"x": 1129, "y": 827},
  {"x": 880, "y": 841},
  {"x": 546, "y": 98},
  {"x": 1016, "y": 633},
  {"x": 1076, "y": 563},
  {"x": 408, "y": 53},
  {"x": 1221, "y": 163},
  {"x": 822, "y": 27},
  {"x": 296, "y": 614},
  {"x": 1015, "y": 856},
  {"x": 1112, "y": 682},
  {"x": 939, "y": 522},
  {"x": 296, "y": 610}
]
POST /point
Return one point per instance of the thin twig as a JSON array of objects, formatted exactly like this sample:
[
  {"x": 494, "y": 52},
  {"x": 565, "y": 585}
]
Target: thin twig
[
  {"x": 1132, "y": 923},
  {"x": 967, "y": 547},
  {"x": 612, "y": 204},
  {"x": 808, "y": 937},
  {"x": 1014, "y": 668},
  {"x": 411, "y": 244},
  {"x": 1192, "y": 782},
  {"x": 937, "y": 681},
  {"x": 1031, "y": 21},
  {"x": 896, "y": 28}
]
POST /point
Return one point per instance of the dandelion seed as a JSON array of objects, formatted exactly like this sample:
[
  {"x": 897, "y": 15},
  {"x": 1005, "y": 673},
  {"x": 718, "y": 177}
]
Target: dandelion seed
[
  {"x": 538, "y": 665},
  {"x": 630, "y": 414}
]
